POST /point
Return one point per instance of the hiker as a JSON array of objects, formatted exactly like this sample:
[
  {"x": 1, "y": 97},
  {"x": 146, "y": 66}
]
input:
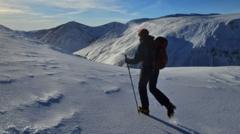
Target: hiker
[{"x": 149, "y": 74}]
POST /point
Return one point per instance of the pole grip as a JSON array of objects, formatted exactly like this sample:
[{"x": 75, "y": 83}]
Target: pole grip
[{"x": 126, "y": 62}]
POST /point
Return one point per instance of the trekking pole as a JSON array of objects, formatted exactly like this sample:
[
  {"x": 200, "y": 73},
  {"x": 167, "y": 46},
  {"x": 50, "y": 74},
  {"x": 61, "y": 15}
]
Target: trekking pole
[{"x": 132, "y": 84}]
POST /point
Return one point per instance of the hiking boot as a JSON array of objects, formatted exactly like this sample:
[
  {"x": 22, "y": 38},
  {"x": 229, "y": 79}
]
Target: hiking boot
[
  {"x": 143, "y": 110},
  {"x": 170, "y": 110}
]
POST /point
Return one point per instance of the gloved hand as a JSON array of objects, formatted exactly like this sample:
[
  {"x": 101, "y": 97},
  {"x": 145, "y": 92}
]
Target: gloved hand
[{"x": 127, "y": 60}]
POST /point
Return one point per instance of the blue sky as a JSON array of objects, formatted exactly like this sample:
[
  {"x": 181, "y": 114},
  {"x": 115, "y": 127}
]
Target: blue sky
[{"x": 39, "y": 14}]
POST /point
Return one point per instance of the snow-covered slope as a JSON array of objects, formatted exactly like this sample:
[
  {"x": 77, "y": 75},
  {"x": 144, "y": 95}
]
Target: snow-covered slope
[
  {"x": 194, "y": 40},
  {"x": 67, "y": 37},
  {"x": 45, "y": 91},
  {"x": 73, "y": 36}
]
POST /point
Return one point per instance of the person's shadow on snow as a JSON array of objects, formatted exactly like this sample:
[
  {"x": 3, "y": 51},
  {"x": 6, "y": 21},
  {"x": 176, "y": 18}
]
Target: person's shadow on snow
[{"x": 182, "y": 129}]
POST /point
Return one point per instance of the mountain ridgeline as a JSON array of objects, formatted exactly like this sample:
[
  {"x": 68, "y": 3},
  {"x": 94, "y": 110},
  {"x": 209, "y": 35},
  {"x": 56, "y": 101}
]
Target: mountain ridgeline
[
  {"x": 73, "y": 36},
  {"x": 194, "y": 39}
]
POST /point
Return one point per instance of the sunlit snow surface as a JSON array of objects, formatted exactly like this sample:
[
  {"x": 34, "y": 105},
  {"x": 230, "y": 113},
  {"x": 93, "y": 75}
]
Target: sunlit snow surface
[{"x": 45, "y": 91}]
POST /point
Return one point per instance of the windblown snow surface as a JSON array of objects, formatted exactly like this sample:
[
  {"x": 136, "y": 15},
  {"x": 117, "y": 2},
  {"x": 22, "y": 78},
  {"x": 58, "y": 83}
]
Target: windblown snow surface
[
  {"x": 45, "y": 91},
  {"x": 194, "y": 40}
]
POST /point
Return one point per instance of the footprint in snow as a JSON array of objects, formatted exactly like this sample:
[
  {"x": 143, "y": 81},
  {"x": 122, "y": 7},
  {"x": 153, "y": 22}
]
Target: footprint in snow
[
  {"x": 30, "y": 75},
  {"x": 92, "y": 77},
  {"x": 170, "y": 78},
  {"x": 111, "y": 90},
  {"x": 77, "y": 130},
  {"x": 50, "y": 99},
  {"x": 3, "y": 112},
  {"x": 51, "y": 73},
  {"x": 82, "y": 82},
  {"x": 6, "y": 80}
]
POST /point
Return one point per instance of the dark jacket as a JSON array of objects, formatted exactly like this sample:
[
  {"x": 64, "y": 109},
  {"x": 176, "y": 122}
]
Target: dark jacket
[{"x": 144, "y": 52}]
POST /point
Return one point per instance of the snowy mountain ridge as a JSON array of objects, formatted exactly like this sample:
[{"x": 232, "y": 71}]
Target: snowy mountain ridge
[{"x": 194, "y": 40}]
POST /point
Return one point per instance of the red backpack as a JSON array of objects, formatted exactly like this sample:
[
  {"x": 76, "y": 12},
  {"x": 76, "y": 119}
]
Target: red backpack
[{"x": 160, "y": 58}]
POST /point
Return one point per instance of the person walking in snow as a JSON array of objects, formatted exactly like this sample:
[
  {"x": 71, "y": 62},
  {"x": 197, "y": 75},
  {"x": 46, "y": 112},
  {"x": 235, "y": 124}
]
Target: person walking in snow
[{"x": 149, "y": 74}]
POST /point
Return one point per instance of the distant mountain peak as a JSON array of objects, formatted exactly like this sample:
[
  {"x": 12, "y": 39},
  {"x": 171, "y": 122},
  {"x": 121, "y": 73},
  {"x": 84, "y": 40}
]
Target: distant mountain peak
[
  {"x": 115, "y": 23},
  {"x": 73, "y": 24},
  {"x": 111, "y": 24}
]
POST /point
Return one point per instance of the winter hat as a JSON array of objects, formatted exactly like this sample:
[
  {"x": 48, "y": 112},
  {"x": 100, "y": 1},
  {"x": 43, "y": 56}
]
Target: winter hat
[{"x": 143, "y": 32}]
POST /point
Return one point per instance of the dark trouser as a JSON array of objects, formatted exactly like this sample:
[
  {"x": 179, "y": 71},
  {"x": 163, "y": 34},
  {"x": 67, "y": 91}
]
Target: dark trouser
[{"x": 150, "y": 76}]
